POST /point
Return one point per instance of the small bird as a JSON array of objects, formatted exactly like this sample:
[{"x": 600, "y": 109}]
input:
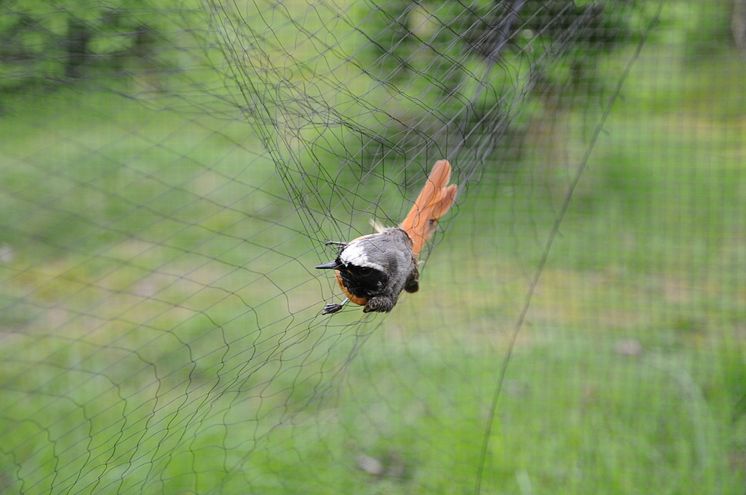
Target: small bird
[{"x": 372, "y": 270}]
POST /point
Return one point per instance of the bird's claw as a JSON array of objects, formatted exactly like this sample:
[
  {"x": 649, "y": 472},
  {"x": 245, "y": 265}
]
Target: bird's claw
[
  {"x": 334, "y": 307},
  {"x": 335, "y": 243},
  {"x": 331, "y": 308}
]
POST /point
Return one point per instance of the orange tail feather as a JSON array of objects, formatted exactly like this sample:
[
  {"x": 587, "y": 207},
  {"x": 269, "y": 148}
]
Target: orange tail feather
[{"x": 434, "y": 201}]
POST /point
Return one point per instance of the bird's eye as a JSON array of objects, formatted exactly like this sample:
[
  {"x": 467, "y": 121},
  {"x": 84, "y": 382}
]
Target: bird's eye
[{"x": 365, "y": 269}]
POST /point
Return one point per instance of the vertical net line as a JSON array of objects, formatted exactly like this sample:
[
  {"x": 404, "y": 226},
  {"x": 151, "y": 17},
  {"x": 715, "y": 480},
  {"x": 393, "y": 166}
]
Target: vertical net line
[{"x": 546, "y": 251}]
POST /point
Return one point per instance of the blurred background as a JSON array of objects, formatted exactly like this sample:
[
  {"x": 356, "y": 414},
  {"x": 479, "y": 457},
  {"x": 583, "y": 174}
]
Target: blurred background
[{"x": 171, "y": 169}]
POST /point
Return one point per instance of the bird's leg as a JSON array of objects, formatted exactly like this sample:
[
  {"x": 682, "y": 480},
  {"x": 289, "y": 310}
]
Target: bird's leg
[{"x": 333, "y": 308}]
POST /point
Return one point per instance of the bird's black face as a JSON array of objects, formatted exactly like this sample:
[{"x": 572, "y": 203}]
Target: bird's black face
[{"x": 363, "y": 281}]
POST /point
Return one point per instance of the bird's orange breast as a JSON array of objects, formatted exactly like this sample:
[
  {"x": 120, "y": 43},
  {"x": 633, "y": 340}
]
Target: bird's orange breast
[{"x": 360, "y": 301}]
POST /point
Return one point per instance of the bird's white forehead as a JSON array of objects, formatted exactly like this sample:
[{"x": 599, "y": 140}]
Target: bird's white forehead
[{"x": 355, "y": 254}]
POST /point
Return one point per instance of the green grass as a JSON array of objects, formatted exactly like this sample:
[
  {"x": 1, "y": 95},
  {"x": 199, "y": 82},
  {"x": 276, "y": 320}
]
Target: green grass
[{"x": 159, "y": 329}]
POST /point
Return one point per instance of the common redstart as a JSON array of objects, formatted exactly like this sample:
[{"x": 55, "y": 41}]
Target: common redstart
[{"x": 372, "y": 270}]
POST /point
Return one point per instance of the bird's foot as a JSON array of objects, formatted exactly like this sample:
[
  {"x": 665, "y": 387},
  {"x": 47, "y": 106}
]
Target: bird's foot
[
  {"x": 333, "y": 307},
  {"x": 335, "y": 243}
]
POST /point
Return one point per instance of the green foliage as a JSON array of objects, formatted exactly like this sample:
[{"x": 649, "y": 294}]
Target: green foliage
[
  {"x": 453, "y": 49},
  {"x": 44, "y": 42}
]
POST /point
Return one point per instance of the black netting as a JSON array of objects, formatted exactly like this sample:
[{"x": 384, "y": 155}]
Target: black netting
[{"x": 171, "y": 171}]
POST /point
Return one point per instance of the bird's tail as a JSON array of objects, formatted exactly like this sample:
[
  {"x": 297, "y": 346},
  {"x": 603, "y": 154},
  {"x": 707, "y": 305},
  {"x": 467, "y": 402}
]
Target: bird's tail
[{"x": 433, "y": 202}]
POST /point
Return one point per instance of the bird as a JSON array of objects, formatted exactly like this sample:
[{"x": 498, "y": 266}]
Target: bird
[{"x": 372, "y": 270}]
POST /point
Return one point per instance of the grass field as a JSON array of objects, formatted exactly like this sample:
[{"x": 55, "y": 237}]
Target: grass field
[{"x": 159, "y": 329}]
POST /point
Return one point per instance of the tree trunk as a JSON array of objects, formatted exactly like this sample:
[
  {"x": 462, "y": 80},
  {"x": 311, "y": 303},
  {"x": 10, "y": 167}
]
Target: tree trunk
[
  {"x": 76, "y": 47},
  {"x": 738, "y": 24}
]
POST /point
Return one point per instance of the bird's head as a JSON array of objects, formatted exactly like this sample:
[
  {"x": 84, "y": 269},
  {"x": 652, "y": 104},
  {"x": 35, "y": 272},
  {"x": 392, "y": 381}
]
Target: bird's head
[{"x": 361, "y": 263}]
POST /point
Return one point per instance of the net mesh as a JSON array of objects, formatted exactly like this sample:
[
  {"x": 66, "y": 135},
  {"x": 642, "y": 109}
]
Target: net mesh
[{"x": 171, "y": 171}]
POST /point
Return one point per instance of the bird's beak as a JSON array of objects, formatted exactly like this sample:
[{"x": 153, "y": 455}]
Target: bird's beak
[{"x": 332, "y": 265}]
